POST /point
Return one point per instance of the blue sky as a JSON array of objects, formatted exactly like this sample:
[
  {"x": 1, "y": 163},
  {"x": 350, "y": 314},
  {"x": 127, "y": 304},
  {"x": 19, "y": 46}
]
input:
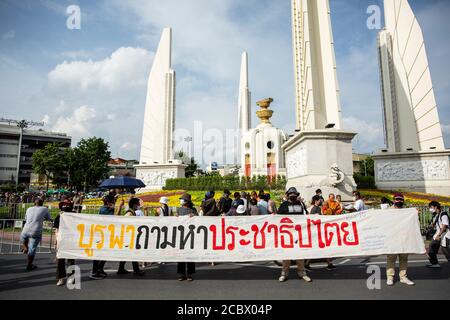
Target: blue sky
[{"x": 93, "y": 81}]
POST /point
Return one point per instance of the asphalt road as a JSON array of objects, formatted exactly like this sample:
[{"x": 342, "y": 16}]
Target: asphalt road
[{"x": 228, "y": 281}]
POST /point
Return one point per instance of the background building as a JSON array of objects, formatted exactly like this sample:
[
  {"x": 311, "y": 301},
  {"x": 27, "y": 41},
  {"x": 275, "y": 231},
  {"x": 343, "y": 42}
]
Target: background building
[
  {"x": 32, "y": 141},
  {"x": 122, "y": 167}
]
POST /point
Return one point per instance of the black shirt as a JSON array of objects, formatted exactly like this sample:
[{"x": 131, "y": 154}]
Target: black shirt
[
  {"x": 291, "y": 208},
  {"x": 224, "y": 205}
]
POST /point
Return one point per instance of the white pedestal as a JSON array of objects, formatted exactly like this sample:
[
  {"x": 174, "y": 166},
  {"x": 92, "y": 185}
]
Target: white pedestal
[
  {"x": 155, "y": 176},
  {"x": 321, "y": 159},
  {"x": 427, "y": 171}
]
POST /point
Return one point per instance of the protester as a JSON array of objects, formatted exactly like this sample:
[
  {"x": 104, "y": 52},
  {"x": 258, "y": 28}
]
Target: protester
[
  {"x": 209, "y": 205},
  {"x": 225, "y": 203},
  {"x": 78, "y": 202},
  {"x": 133, "y": 205},
  {"x": 385, "y": 203},
  {"x": 319, "y": 194},
  {"x": 293, "y": 206},
  {"x": 399, "y": 202},
  {"x": 316, "y": 209},
  {"x": 331, "y": 207},
  {"x": 142, "y": 211},
  {"x": 263, "y": 205},
  {"x": 253, "y": 208},
  {"x": 441, "y": 238},
  {"x": 107, "y": 209},
  {"x": 254, "y": 195},
  {"x": 186, "y": 269},
  {"x": 32, "y": 231},
  {"x": 245, "y": 197},
  {"x": 61, "y": 273},
  {"x": 271, "y": 205},
  {"x": 164, "y": 210},
  {"x": 235, "y": 204},
  {"x": 359, "y": 204}
]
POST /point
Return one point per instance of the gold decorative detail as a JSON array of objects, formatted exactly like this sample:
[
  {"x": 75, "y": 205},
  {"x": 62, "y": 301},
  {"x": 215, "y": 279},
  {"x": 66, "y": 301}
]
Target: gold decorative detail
[{"x": 265, "y": 113}]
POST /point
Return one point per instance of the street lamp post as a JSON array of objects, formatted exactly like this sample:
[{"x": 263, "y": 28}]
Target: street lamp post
[{"x": 189, "y": 141}]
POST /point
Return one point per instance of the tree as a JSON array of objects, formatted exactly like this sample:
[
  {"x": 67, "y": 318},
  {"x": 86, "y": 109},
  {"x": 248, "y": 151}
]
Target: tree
[
  {"x": 192, "y": 165},
  {"x": 49, "y": 162},
  {"x": 368, "y": 167},
  {"x": 90, "y": 161}
]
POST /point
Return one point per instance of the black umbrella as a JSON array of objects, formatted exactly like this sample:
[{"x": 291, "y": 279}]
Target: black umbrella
[{"x": 122, "y": 182}]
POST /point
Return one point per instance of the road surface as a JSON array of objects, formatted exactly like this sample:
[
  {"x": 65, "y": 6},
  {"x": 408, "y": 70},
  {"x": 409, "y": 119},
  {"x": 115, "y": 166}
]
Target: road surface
[{"x": 228, "y": 281}]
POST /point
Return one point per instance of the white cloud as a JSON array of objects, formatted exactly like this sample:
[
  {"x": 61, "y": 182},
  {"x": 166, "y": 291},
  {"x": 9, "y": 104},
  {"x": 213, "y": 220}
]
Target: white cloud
[
  {"x": 126, "y": 67},
  {"x": 9, "y": 35},
  {"x": 370, "y": 134},
  {"x": 78, "y": 124},
  {"x": 127, "y": 146}
]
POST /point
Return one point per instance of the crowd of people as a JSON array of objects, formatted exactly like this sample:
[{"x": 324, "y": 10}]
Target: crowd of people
[{"x": 240, "y": 204}]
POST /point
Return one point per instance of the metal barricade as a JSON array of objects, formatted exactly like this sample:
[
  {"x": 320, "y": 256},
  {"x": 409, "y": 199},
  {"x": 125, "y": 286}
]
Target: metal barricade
[{"x": 11, "y": 230}]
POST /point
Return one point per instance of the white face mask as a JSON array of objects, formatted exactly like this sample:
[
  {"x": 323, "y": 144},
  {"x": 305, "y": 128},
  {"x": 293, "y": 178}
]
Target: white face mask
[
  {"x": 182, "y": 202},
  {"x": 384, "y": 206},
  {"x": 432, "y": 210}
]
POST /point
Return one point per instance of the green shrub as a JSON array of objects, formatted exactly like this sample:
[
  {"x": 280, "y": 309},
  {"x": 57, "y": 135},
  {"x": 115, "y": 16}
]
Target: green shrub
[
  {"x": 217, "y": 183},
  {"x": 364, "y": 182}
]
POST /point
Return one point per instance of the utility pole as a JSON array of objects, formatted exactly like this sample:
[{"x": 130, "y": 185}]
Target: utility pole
[{"x": 22, "y": 125}]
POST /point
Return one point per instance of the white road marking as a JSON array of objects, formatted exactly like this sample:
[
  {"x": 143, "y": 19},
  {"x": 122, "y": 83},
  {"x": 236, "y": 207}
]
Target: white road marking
[{"x": 344, "y": 262}]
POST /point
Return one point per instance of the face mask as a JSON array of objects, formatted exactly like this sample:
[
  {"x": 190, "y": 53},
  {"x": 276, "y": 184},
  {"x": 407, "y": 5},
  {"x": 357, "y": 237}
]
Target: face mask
[
  {"x": 384, "y": 206},
  {"x": 182, "y": 202},
  {"x": 293, "y": 198},
  {"x": 399, "y": 204},
  {"x": 432, "y": 210}
]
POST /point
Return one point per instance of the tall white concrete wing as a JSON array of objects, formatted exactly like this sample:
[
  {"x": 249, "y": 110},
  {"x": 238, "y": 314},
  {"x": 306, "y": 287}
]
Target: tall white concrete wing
[
  {"x": 244, "y": 97},
  {"x": 410, "y": 112},
  {"x": 159, "y": 115},
  {"x": 316, "y": 84}
]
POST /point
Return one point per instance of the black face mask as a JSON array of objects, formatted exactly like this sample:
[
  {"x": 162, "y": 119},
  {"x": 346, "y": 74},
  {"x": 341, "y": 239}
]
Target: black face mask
[
  {"x": 399, "y": 205},
  {"x": 293, "y": 198}
]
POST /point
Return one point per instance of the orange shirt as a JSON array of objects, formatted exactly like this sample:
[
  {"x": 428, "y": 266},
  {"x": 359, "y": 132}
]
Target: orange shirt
[{"x": 331, "y": 208}]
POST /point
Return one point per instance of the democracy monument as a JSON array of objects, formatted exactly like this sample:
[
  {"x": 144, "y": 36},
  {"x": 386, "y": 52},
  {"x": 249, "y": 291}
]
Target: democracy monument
[{"x": 319, "y": 154}]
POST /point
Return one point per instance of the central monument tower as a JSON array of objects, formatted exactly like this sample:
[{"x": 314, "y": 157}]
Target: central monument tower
[
  {"x": 157, "y": 162},
  {"x": 319, "y": 155}
]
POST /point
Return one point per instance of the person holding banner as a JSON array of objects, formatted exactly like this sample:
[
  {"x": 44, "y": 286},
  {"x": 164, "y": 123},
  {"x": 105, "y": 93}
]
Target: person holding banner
[
  {"x": 107, "y": 209},
  {"x": 293, "y": 206},
  {"x": 399, "y": 202},
  {"x": 61, "y": 265},
  {"x": 186, "y": 269},
  {"x": 133, "y": 205}
]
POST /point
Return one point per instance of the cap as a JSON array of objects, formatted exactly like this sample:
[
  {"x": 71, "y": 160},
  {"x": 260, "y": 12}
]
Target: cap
[
  {"x": 164, "y": 200},
  {"x": 240, "y": 209},
  {"x": 292, "y": 191},
  {"x": 399, "y": 196},
  {"x": 186, "y": 197}
]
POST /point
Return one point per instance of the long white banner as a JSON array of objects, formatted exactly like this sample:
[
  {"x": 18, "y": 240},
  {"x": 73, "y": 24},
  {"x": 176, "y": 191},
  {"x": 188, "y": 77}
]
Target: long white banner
[{"x": 233, "y": 239}]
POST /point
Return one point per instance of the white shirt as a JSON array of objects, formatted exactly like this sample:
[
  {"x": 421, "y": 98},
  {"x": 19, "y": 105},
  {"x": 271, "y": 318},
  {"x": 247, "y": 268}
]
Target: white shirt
[
  {"x": 359, "y": 205},
  {"x": 443, "y": 220},
  {"x": 139, "y": 213}
]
